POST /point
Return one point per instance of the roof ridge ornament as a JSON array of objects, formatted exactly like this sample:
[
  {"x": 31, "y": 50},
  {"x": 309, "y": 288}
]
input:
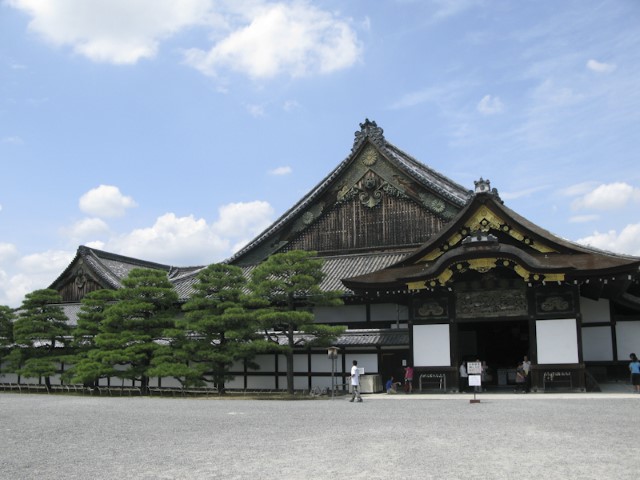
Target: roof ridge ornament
[
  {"x": 369, "y": 129},
  {"x": 484, "y": 186}
]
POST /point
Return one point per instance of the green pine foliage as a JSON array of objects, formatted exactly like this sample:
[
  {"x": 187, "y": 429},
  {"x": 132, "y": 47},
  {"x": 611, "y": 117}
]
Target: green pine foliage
[
  {"x": 6, "y": 331},
  {"x": 90, "y": 318},
  {"x": 290, "y": 284},
  {"x": 132, "y": 328},
  {"x": 42, "y": 332},
  {"x": 217, "y": 330}
]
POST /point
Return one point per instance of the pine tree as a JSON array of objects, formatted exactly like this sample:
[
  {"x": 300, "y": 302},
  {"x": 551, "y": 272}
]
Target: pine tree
[
  {"x": 216, "y": 331},
  {"x": 90, "y": 318},
  {"x": 132, "y": 328},
  {"x": 41, "y": 332},
  {"x": 290, "y": 283},
  {"x": 6, "y": 330}
]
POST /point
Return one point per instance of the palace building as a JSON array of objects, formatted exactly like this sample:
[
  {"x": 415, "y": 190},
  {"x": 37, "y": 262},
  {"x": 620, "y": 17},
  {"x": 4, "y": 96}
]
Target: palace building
[{"x": 433, "y": 274}]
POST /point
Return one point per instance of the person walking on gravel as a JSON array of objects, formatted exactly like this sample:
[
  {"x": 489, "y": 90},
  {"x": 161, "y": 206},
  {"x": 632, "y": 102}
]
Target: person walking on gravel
[
  {"x": 355, "y": 382},
  {"x": 634, "y": 368}
]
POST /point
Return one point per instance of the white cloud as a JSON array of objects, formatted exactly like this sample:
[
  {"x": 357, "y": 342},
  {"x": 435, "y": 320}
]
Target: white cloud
[
  {"x": 260, "y": 38},
  {"x": 187, "y": 240},
  {"x": 281, "y": 171},
  {"x": 294, "y": 39},
  {"x": 85, "y": 229},
  {"x": 412, "y": 99},
  {"x": 256, "y": 111},
  {"x": 523, "y": 193},
  {"x": 172, "y": 240},
  {"x": 51, "y": 261},
  {"x": 240, "y": 220},
  {"x": 490, "y": 105},
  {"x": 549, "y": 95},
  {"x": 12, "y": 140},
  {"x": 608, "y": 197},
  {"x": 8, "y": 252},
  {"x": 600, "y": 67},
  {"x": 626, "y": 242},
  {"x": 98, "y": 245},
  {"x": 584, "y": 218},
  {"x": 21, "y": 275},
  {"x": 578, "y": 189},
  {"x": 290, "y": 105},
  {"x": 450, "y": 8},
  {"x": 117, "y": 31},
  {"x": 105, "y": 201}
]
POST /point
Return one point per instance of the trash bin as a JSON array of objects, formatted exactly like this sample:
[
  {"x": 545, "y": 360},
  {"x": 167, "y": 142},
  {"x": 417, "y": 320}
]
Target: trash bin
[{"x": 370, "y": 383}]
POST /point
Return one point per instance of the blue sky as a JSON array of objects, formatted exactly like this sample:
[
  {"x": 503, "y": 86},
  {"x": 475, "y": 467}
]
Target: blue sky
[{"x": 176, "y": 130}]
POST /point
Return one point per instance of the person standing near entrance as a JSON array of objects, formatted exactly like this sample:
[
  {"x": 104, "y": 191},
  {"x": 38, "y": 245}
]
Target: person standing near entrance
[
  {"x": 355, "y": 382},
  {"x": 526, "y": 366},
  {"x": 408, "y": 379},
  {"x": 634, "y": 368},
  {"x": 464, "y": 377}
]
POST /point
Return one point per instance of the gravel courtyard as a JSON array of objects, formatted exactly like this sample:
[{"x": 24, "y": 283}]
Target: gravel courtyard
[{"x": 503, "y": 437}]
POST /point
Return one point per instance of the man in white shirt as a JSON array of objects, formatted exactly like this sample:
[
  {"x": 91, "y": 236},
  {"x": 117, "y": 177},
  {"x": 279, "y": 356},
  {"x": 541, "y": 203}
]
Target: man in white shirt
[
  {"x": 526, "y": 366},
  {"x": 355, "y": 382}
]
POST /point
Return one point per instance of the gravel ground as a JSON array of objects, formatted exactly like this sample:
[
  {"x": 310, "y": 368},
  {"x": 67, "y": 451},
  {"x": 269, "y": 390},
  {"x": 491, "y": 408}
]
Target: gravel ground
[{"x": 404, "y": 436}]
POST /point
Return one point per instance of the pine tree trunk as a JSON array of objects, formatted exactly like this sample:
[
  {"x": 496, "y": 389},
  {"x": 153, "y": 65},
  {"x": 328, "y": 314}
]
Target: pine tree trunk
[
  {"x": 219, "y": 378},
  {"x": 290, "y": 360}
]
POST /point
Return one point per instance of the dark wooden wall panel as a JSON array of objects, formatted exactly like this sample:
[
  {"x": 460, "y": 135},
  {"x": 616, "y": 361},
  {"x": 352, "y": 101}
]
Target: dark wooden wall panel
[
  {"x": 355, "y": 226},
  {"x": 74, "y": 291}
]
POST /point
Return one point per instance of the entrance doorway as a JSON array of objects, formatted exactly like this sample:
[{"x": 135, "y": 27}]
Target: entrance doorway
[
  {"x": 392, "y": 365},
  {"x": 501, "y": 343}
]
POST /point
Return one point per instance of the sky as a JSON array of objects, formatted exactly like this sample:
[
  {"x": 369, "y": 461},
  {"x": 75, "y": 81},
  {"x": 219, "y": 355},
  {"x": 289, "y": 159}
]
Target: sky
[{"x": 177, "y": 130}]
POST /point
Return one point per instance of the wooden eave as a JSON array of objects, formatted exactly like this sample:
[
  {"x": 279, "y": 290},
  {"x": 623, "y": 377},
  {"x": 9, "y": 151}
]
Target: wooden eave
[{"x": 504, "y": 239}]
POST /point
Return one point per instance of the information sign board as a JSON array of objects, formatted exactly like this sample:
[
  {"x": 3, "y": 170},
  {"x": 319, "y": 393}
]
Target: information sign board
[{"x": 474, "y": 368}]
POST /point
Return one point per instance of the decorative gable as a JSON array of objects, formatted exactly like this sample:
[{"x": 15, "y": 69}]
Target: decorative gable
[
  {"x": 77, "y": 281},
  {"x": 378, "y": 198}
]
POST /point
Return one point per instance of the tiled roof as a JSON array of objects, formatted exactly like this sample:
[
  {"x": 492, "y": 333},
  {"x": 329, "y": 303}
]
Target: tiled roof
[
  {"x": 335, "y": 269},
  {"x": 338, "y": 267},
  {"x": 359, "y": 338},
  {"x": 71, "y": 311},
  {"x": 424, "y": 175},
  {"x": 109, "y": 267}
]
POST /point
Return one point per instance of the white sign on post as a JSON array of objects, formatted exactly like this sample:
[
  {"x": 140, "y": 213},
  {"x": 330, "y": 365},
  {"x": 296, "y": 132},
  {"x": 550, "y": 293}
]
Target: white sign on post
[
  {"x": 474, "y": 368},
  {"x": 475, "y": 381}
]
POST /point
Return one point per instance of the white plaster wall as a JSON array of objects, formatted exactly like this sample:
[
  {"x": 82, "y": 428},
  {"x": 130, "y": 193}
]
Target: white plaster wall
[
  {"x": 431, "y": 346},
  {"x": 299, "y": 383},
  {"x": 168, "y": 382},
  {"x": 322, "y": 363},
  {"x": 594, "y": 310},
  {"x": 628, "y": 339},
  {"x": 267, "y": 363},
  {"x": 300, "y": 364},
  {"x": 557, "y": 341},
  {"x": 262, "y": 382},
  {"x": 237, "y": 382},
  {"x": 368, "y": 361},
  {"x": 324, "y": 382},
  {"x": 596, "y": 344},
  {"x": 7, "y": 377}
]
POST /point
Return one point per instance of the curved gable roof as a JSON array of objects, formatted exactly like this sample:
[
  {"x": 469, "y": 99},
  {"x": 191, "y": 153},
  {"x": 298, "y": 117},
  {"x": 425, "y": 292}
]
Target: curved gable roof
[
  {"x": 484, "y": 233},
  {"x": 369, "y": 135},
  {"x": 108, "y": 268}
]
